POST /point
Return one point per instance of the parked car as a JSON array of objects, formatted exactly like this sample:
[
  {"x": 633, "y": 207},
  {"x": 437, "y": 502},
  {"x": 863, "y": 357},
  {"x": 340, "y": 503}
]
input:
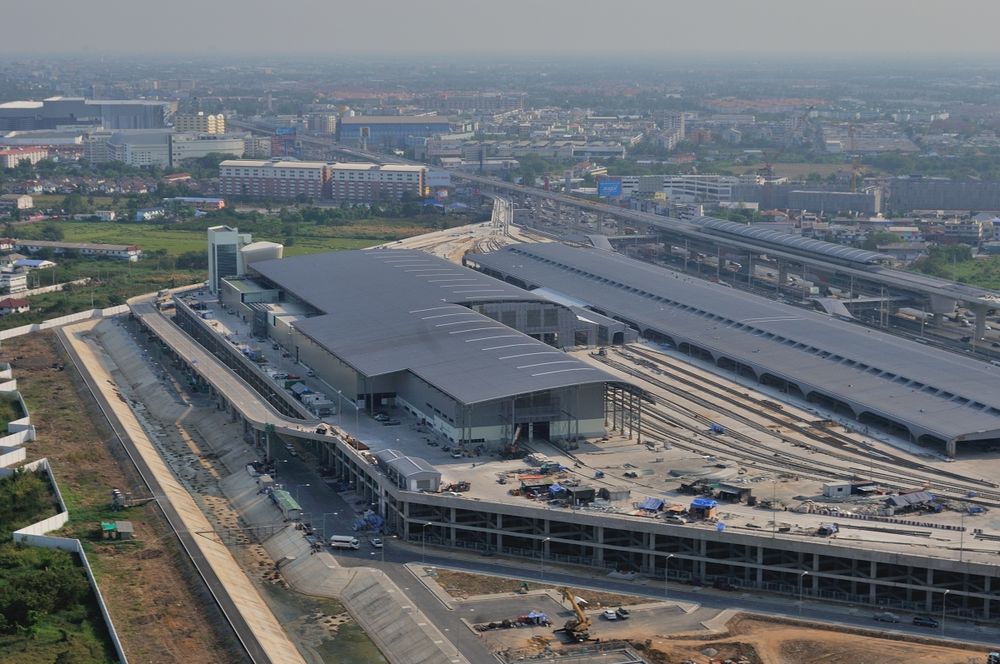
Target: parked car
[
  {"x": 925, "y": 621},
  {"x": 721, "y": 584},
  {"x": 675, "y": 518},
  {"x": 609, "y": 614},
  {"x": 885, "y": 616},
  {"x": 380, "y": 417},
  {"x": 622, "y": 613},
  {"x": 376, "y": 542}
]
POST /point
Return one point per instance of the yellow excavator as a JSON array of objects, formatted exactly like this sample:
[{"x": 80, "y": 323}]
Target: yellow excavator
[{"x": 578, "y": 627}]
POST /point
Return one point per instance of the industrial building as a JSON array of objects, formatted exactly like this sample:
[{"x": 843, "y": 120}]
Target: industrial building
[
  {"x": 389, "y": 131},
  {"x": 56, "y": 112},
  {"x": 925, "y": 394},
  {"x": 475, "y": 358}
]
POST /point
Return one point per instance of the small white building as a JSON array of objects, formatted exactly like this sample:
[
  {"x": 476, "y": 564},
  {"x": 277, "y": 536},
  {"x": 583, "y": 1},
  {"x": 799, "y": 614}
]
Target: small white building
[
  {"x": 836, "y": 489},
  {"x": 13, "y": 281}
]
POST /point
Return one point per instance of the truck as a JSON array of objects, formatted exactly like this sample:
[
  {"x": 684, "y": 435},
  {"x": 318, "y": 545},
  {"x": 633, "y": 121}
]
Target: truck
[{"x": 344, "y": 542}]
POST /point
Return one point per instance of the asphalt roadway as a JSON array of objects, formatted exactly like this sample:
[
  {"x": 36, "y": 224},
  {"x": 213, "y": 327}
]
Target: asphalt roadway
[
  {"x": 325, "y": 508},
  {"x": 214, "y": 584}
]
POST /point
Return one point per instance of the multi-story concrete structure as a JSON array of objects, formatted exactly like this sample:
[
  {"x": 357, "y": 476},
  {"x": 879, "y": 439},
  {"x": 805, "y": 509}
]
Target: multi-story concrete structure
[
  {"x": 255, "y": 147},
  {"x": 477, "y": 102},
  {"x": 352, "y": 182},
  {"x": 389, "y": 131},
  {"x": 224, "y": 256},
  {"x": 200, "y": 123},
  {"x": 275, "y": 178},
  {"x": 372, "y": 182},
  {"x": 9, "y": 202},
  {"x": 141, "y": 148},
  {"x": 906, "y": 193},
  {"x": 195, "y": 146},
  {"x": 10, "y": 158},
  {"x": 13, "y": 280}
]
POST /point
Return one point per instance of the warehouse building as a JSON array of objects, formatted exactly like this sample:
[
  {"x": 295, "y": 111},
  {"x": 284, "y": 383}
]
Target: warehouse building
[
  {"x": 922, "y": 393},
  {"x": 475, "y": 358}
]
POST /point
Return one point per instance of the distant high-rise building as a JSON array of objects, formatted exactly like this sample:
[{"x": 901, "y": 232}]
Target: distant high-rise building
[
  {"x": 200, "y": 123},
  {"x": 224, "y": 256}
]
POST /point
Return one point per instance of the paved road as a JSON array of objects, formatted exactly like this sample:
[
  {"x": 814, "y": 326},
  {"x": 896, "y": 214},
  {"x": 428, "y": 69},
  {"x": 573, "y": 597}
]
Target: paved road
[{"x": 242, "y": 629}]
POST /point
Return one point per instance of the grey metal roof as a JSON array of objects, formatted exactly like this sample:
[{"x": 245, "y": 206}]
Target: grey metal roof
[
  {"x": 386, "y": 311},
  {"x": 929, "y": 390},
  {"x": 764, "y": 234}
]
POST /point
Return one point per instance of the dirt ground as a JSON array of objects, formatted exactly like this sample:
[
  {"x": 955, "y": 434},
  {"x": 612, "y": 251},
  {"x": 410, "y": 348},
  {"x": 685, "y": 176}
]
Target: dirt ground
[
  {"x": 766, "y": 642},
  {"x": 156, "y": 600},
  {"x": 462, "y": 585}
]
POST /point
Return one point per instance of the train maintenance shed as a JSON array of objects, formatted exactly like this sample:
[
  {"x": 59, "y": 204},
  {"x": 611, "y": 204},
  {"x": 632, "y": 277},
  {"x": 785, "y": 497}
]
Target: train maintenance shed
[{"x": 928, "y": 395}]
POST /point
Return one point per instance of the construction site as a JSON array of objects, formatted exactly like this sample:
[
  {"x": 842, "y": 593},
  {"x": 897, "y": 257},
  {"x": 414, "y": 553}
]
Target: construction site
[{"x": 671, "y": 478}]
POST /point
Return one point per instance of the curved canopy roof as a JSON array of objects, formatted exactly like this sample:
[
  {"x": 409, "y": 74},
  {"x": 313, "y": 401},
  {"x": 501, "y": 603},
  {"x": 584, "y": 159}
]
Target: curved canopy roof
[{"x": 792, "y": 241}]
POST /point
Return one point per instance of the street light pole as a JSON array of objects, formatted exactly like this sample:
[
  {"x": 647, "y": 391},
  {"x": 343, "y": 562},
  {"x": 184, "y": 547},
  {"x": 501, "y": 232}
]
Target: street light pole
[
  {"x": 944, "y": 606},
  {"x": 541, "y": 559},
  {"x": 326, "y": 535},
  {"x": 297, "y": 487},
  {"x": 802, "y": 576},
  {"x": 666, "y": 576}
]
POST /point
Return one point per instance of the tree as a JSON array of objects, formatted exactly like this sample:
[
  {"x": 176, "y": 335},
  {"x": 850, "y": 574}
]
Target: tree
[
  {"x": 74, "y": 204},
  {"x": 882, "y": 237},
  {"x": 51, "y": 232}
]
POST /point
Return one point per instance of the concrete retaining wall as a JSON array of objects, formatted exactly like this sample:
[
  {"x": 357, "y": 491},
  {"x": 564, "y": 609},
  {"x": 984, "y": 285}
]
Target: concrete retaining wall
[
  {"x": 62, "y": 320},
  {"x": 35, "y": 534}
]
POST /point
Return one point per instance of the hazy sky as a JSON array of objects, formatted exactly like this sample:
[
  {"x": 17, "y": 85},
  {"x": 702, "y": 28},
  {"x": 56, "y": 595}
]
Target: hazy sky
[{"x": 791, "y": 27}]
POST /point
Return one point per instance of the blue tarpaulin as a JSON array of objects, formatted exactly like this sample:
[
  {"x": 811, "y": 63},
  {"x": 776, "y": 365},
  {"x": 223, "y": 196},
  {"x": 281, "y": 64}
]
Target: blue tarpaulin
[
  {"x": 651, "y": 504},
  {"x": 703, "y": 504},
  {"x": 555, "y": 488}
]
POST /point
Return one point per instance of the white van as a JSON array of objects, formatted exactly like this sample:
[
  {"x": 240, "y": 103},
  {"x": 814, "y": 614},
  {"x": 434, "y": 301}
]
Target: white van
[{"x": 344, "y": 542}]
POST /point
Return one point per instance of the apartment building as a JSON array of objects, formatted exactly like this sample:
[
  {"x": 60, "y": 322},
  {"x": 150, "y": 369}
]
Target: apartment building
[
  {"x": 351, "y": 182},
  {"x": 258, "y": 178},
  {"x": 200, "y": 123},
  {"x": 370, "y": 182},
  {"x": 10, "y": 158}
]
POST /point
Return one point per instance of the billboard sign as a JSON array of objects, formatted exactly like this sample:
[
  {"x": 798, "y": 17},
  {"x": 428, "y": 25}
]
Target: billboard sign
[
  {"x": 284, "y": 131},
  {"x": 609, "y": 187},
  {"x": 437, "y": 179}
]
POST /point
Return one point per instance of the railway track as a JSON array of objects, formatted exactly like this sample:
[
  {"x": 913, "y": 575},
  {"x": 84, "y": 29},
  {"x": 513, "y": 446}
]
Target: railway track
[{"x": 861, "y": 460}]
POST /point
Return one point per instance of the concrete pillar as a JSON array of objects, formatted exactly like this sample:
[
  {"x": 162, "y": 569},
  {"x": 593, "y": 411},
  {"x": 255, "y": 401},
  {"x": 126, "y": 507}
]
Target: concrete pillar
[
  {"x": 950, "y": 448},
  {"x": 600, "y": 222},
  {"x": 499, "y": 532},
  {"x": 451, "y": 529},
  {"x": 760, "y": 566},
  {"x": 599, "y": 546},
  {"x": 929, "y": 599},
  {"x": 980, "y": 323},
  {"x": 871, "y": 592},
  {"x": 986, "y": 602}
]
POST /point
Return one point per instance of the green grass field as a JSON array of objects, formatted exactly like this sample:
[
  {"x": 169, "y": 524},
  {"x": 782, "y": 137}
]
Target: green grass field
[{"x": 113, "y": 281}]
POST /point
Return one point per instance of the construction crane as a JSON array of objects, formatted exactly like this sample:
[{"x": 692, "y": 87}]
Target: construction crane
[
  {"x": 577, "y": 627},
  {"x": 768, "y": 169}
]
